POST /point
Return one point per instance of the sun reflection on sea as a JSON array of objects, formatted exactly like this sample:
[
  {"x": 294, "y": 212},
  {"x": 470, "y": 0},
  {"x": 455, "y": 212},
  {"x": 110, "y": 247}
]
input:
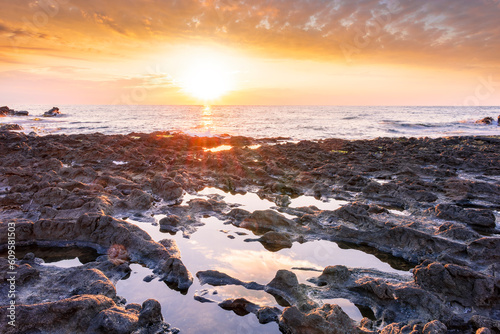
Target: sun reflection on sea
[{"x": 207, "y": 121}]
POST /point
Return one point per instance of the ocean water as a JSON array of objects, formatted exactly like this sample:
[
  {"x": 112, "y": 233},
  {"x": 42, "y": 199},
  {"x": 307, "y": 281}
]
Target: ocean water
[{"x": 295, "y": 122}]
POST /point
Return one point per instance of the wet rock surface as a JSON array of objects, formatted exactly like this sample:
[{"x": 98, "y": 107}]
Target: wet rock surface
[
  {"x": 10, "y": 127},
  {"x": 54, "y": 111},
  {"x": 431, "y": 202},
  {"x": 6, "y": 111}
]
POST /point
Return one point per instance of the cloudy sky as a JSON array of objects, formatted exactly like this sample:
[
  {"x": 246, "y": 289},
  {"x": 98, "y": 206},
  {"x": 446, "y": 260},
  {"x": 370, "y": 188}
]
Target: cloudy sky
[{"x": 337, "y": 52}]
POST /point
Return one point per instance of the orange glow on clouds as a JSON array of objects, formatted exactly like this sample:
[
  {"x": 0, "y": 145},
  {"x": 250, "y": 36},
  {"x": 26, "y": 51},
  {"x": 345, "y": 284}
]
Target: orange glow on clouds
[{"x": 368, "y": 52}]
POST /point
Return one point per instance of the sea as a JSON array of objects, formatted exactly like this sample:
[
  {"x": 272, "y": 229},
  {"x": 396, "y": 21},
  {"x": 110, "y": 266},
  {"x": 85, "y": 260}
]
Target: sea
[{"x": 293, "y": 122}]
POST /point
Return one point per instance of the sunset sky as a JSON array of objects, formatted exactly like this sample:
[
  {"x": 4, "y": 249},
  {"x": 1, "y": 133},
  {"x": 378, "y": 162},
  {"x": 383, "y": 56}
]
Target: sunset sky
[{"x": 328, "y": 52}]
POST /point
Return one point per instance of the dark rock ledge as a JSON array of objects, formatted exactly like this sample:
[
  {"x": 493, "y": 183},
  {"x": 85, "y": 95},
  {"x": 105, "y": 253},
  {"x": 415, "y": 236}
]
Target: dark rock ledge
[{"x": 432, "y": 203}]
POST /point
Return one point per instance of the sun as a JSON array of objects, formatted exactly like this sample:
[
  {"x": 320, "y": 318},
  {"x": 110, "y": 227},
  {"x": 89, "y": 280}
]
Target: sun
[{"x": 207, "y": 78}]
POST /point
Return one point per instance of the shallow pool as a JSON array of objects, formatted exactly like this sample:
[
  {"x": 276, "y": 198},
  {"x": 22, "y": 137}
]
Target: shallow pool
[{"x": 222, "y": 247}]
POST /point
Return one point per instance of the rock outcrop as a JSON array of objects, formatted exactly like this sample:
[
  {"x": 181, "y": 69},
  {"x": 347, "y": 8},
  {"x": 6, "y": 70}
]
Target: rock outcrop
[
  {"x": 103, "y": 232},
  {"x": 54, "y": 111},
  {"x": 426, "y": 203}
]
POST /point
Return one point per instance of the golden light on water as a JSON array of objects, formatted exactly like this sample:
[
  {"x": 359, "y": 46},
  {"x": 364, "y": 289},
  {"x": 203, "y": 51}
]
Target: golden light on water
[
  {"x": 207, "y": 111},
  {"x": 206, "y": 117}
]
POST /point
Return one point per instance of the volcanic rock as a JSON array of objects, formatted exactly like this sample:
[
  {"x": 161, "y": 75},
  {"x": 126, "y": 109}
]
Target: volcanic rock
[
  {"x": 166, "y": 188},
  {"x": 458, "y": 283},
  {"x": 265, "y": 221},
  {"x": 275, "y": 241},
  {"x": 329, "y": 319},
  {"x": 286, "y": 286},
  {"x": 6, "y": 111},
  {"x": 52, "y": 112},
  {"x": 216, "y": 278},
  {"x": 10, "y": 127},
  {"x": 475, "y": 217},
  {"x": 486, "y": 121}
]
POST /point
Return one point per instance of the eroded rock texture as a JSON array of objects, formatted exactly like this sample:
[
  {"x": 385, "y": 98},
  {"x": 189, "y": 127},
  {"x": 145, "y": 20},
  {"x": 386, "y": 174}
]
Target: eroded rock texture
[{"x": 429, "y": 203}]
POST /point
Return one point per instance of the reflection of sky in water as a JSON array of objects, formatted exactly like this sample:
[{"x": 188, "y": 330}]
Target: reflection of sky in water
[
  {"x": 331, "y": 204},
  {"x": 210, "y": 249},
  {"x": 248, "y": 201},
  {"x": 61, "y": 257},
  {"x": 65, "y": 263},
  {"x": 251, "y": 201},
  {"x": 189, "y": 315},
  {"x": 400, "y": 213},
  {"x": 218, "y": 246},
  {"x": 348, "y": 307}
]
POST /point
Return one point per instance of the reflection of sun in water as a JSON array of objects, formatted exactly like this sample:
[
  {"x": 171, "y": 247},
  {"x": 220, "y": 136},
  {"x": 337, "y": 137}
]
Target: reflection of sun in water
[
  {"x": 206, "y": 117},
  {"x": 207, "y": 78}
]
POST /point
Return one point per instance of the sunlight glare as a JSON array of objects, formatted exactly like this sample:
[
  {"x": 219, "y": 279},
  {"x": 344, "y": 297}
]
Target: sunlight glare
[{"x": 207, "y": 79}]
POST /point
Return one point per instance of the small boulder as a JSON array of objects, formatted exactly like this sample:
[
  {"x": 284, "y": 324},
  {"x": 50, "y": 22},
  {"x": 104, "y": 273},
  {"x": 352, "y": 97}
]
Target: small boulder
[
  {"x": 217, "y": 278},
  {"x": 238, "y": 214},
  {"x": 264, "y": 221},
  {"x": 166, "y": 188},
  {"x": 170, "y": 224},
  {"x": 239, "y": 306},
  {"x": 335, "y": 275},
  {"x": 21, "y": 113},
  {"x": 268, "y": 314},
  {"x": 10, "y": 127},
  {"x": 52, "y": 112},
  {"x": 6, "y": 111},
  {"x": 485, "y": 121},
  {"x": 150, "y": 313},
  {"x": 275, "y": 241},
  {"x": 329, "y": 319}
]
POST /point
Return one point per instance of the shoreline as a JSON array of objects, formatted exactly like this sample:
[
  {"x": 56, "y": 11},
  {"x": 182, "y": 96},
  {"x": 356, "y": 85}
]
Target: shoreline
[
  {"x": 74, "y": 189},
  {"x": 301, "y": 123}
]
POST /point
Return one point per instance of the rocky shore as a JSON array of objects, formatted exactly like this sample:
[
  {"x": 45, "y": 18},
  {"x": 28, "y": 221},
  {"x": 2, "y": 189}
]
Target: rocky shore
[{"x": 432, "y": 203}]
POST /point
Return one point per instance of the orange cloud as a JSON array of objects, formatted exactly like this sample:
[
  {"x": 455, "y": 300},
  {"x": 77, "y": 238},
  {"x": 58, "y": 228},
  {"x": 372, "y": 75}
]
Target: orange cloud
[
  {"x": 391, "y": 30},
  {"x": 459, "y": 35}
]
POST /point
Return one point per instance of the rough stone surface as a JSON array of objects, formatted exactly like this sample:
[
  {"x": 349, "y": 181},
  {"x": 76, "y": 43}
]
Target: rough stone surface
[
  {"x": 425, "y": 202},
  {"x": 329, "y": 319},
  {"x": 216, "y": 278},
  {"x": 265, "y": 221},
  {"x": 274, "y": 241}
]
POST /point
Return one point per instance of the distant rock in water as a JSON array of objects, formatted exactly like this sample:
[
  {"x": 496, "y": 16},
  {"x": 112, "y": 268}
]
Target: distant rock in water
[
  {"x": 52, "y": 112},
  {"x": 6, "y": 111},
  {"x": 486, "y": 121},
  {"x": 10, "y": 127}
]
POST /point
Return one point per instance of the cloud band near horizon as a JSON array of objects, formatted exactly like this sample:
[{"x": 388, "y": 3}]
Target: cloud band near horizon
[{"x": 451, "y": 32}]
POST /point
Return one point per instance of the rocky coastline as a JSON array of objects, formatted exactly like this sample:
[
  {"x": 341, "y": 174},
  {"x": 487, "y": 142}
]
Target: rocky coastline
[{"x": 432, "y": 203}]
